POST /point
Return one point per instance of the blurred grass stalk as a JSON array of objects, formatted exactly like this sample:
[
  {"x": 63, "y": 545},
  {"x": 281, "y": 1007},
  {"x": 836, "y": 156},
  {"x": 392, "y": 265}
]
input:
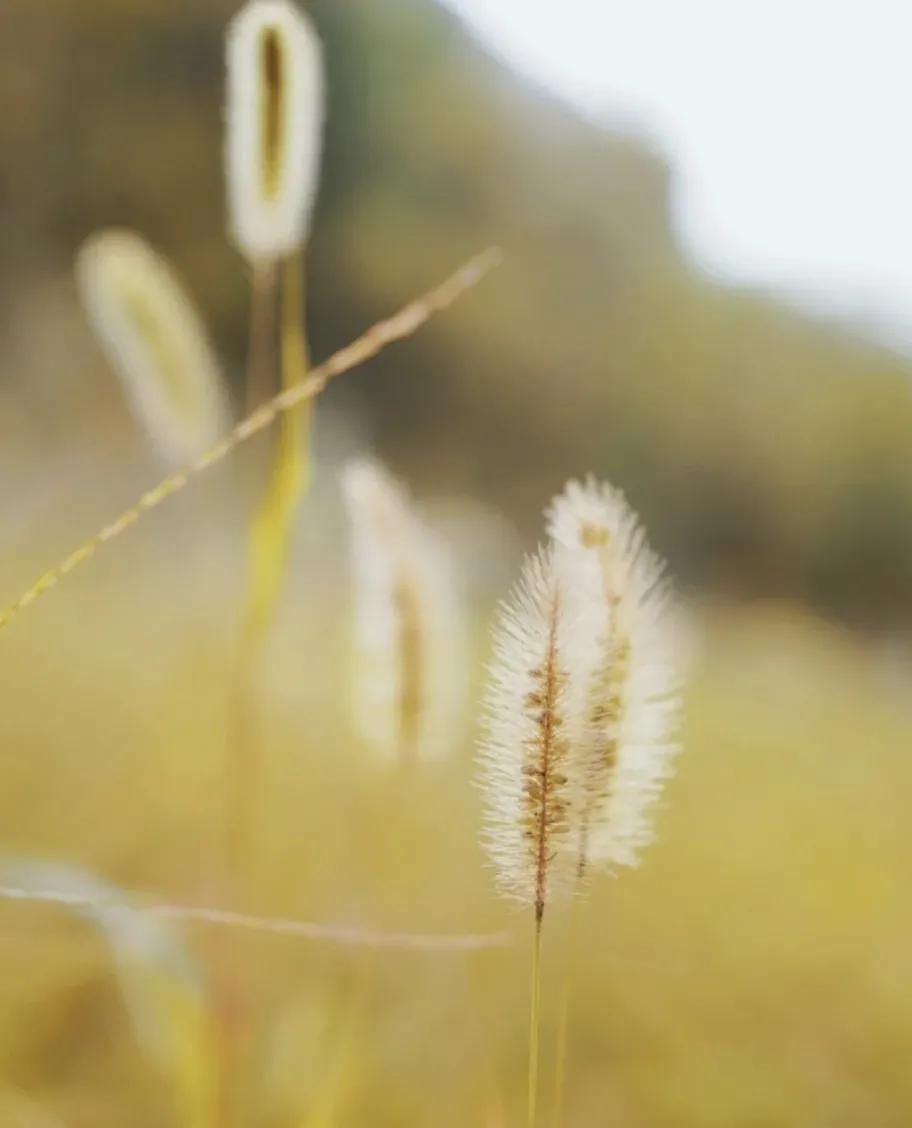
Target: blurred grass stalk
[
  {"x": 270, "y": 534},
  {"x": 291, "y": 468},
  {"x": 562, "y": 1043},
  {"x": 165, "y": 993},
  {"x": 273, "y": 148},
  {"x": 535, "y": 1020}
]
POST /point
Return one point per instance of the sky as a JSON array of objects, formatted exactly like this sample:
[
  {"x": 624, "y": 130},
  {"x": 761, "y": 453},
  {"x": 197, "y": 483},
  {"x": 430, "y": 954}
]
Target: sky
[{"x": 788, "y": 124}]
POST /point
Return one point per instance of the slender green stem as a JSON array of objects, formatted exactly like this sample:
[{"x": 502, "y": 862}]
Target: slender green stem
[
  {"x": 239, "y": 769},
  {"x": 273, "y": 522},
  {"x": 296, "y": 359},
  {"x": 260, "y": 386},
  {"x": 240, "y": 766},
  {"x": 271, "y": 527},
  {"x": 240, "y": 772},
  {"x": 535, "y": 1021}
]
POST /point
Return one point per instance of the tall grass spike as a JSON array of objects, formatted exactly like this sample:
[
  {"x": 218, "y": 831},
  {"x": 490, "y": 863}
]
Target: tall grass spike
[{"x": 275, "y": 108}]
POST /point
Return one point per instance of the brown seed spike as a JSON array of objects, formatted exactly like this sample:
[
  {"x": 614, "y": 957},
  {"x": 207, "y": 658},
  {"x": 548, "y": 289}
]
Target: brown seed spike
[{"x": 525, "y": 758}]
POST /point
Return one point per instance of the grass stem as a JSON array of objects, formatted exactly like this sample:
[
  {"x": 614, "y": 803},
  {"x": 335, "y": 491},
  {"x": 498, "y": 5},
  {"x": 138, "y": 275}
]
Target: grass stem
[
  {"x": 296, "y": 359},
  {"x": 261, "y": 341},
  {"x": 270, "y": 535},
  {"x": 273, "y": 522},
  {"x": 535, "y": 1022}
]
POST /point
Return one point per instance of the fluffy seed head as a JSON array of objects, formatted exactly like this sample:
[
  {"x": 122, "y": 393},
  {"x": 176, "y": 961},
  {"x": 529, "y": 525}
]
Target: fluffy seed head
[
  {"x": 155, "y": 339},
  {"x": 530, "y": 736},
  {"x": 274, "y": 127},
  {"x": 409, "y": 679},
  {"x": 626, "y": 681}
]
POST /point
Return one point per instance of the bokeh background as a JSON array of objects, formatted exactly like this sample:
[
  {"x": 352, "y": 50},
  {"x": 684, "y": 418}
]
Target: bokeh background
[{"x": 756, "y": 971}]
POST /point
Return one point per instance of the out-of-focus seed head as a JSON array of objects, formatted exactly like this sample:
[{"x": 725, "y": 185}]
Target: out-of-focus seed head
[
  {"x": 275, "y": 110},
  {"x": 154, "y": 337}
]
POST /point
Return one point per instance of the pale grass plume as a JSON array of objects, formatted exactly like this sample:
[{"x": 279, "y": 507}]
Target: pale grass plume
[
  {"x": 154, "y": 337},
  {"x": 530, "y": 734},
  {"x": 275, "y": 109},
  {"x": 409, "y": 642},
  {"x": 626, "y": 671}
]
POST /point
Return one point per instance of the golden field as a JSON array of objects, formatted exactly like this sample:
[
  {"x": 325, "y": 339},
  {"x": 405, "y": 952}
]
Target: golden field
[{"x": 754, "y": 971}]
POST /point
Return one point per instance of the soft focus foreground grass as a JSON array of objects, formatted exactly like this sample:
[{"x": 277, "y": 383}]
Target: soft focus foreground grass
[{"x": 756, "y": 971}]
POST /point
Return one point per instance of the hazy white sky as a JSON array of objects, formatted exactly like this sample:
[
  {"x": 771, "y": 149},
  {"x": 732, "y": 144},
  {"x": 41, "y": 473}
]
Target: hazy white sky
[{"x": 788, "y": 123}]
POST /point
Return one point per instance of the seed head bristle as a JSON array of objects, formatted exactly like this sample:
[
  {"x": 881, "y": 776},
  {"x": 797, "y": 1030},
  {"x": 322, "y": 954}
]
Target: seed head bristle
[
  {"x": 275, "y": 108},
  {"x": 155, "y": 339},
  {"x": 628, "y": 683},
  {"x": 409, "y": 676},
  {"x": 530, "y": 735}
]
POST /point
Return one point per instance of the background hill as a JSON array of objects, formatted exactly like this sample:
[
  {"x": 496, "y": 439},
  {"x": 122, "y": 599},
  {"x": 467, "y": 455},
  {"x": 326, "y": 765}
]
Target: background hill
[{"x": 769, "y": 451}]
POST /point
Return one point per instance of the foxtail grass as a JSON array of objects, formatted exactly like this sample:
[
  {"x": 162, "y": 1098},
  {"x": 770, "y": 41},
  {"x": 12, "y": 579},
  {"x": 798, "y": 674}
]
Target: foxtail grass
[
  {"x": 628, "y": 689},
  {"x": 580, "y": 705},
  {"x": 526, "y": 751},
  {"x": 629, "y": 682},
  {"x": 408, "y": 654},
  {"x": 275, "y": 107}
]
